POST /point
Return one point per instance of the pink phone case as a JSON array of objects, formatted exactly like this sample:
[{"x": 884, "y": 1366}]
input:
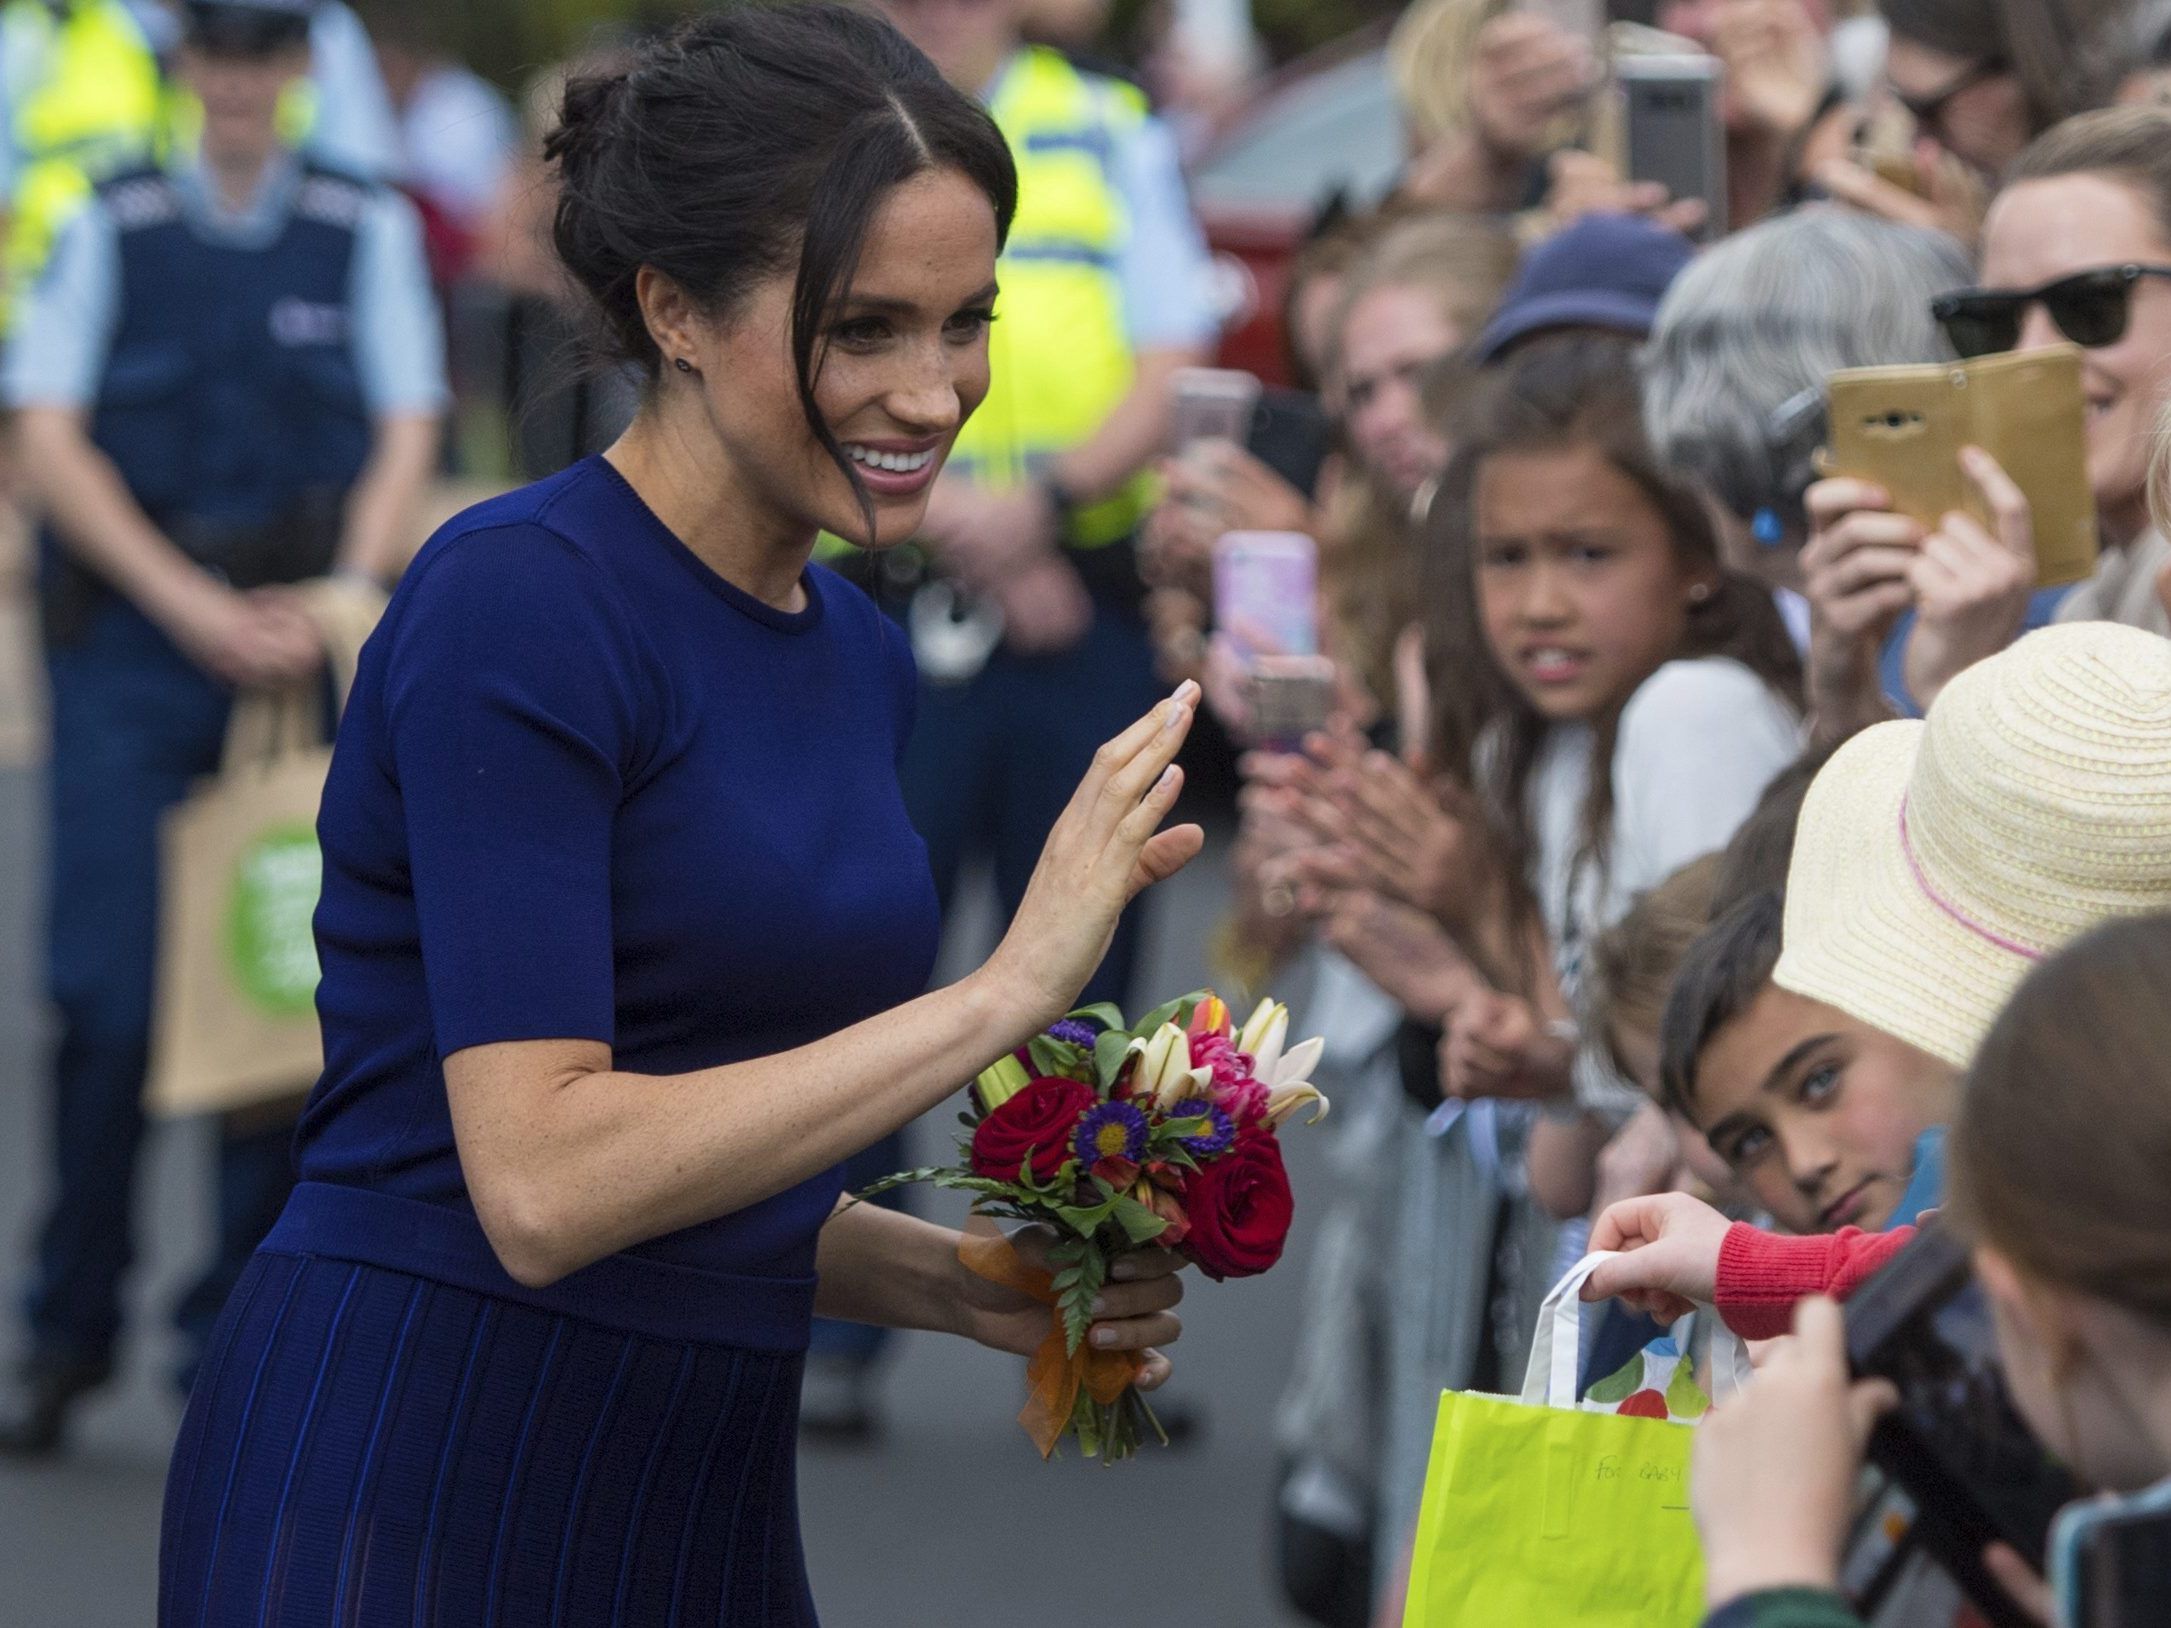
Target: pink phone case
[{"x": 1266, "y": 588}]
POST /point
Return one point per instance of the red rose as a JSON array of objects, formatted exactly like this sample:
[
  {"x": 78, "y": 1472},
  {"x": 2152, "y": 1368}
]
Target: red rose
[
  {"x": 1240, "y": 1208},
  {"x": 1038, "y": 1121}
]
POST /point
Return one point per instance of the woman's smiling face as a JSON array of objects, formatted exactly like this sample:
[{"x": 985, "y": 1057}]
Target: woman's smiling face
[
  {"x": 2040, "y": 231},
  {"x": 902, "y": 362}
]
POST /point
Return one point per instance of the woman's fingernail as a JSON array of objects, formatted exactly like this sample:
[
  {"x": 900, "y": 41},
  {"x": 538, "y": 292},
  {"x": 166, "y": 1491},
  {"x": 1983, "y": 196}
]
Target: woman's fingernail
[
  {"x": 1104, "y": 1337},
  {"x": 1124, "y": 1271},
  {"x": 1100, "y": 1306},
  {"x": 1176, "y": 716}
]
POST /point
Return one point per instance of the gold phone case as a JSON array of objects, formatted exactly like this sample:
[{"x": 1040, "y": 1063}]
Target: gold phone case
[{"x": 1903, "y": 428}]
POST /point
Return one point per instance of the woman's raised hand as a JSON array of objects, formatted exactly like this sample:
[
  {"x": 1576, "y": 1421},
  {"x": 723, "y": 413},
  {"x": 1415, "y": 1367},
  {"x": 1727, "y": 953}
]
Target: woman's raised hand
[{"x": 1105, "y": 850}]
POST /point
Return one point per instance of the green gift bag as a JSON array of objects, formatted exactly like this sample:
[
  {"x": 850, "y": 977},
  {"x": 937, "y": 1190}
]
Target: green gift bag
[{"x": 1540, "y": 1511}]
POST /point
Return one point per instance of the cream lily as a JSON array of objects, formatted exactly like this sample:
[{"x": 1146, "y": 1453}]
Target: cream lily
[
  {"x": 1287, "y": 1075},
  {"x": 1165, "y": 1075}
]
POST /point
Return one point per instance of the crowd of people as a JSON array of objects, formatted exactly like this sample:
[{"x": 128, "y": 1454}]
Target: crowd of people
[
  {"x": 1639, "y": 914},
  {"x": 1699, "y": 858}
]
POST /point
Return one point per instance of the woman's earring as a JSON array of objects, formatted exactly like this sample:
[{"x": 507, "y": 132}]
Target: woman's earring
[
  {"x": 682, "y": 364},
  {"x": 1699, "y": 592}
]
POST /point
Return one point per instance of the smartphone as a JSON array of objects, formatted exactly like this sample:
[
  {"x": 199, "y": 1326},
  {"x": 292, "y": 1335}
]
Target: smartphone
[
  {"x": 1212, "y": 403},
  {"x": 2110, "y": 1561},
  {"x": 1266, "y": 593},
  {"x": 1903, "y": 427},
  {"x": 1672, "y": 130},
  {"x": 1292, "y": 435},
  {"x": 1954, "y": 1445},
  {"x": 1289, "y": 697}
]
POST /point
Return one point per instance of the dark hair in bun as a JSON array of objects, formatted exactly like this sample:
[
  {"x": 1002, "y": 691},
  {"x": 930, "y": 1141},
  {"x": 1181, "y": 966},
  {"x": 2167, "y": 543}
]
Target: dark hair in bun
[{"x": 750, "y": 136}]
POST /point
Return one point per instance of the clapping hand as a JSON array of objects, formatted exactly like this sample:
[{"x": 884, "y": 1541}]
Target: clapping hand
[
  {"x": 1495, "y": 1046},
  {"x": 1423, "y": 845}
]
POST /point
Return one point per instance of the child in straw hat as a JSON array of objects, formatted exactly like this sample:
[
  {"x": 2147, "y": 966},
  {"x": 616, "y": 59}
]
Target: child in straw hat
[
  {"x": 2061, "y": 1196},
  {"x": 1936, "y": 863}
]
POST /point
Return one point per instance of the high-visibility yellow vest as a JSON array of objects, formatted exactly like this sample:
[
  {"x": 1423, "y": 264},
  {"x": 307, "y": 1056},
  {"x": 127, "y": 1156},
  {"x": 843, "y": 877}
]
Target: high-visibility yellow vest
[
  {"x": 87, "y": 102},
  {"x": 1061, "y": 353}
]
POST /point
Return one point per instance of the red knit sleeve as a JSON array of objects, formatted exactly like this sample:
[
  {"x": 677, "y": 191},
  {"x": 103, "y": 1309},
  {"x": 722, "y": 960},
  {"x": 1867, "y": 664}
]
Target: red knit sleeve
[{"x": 1763, "y": 1276}]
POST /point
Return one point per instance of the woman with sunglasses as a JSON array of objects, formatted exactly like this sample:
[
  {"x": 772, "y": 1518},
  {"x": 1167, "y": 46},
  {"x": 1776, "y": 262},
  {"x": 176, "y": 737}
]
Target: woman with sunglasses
[{"x": 2076, "y": 248}]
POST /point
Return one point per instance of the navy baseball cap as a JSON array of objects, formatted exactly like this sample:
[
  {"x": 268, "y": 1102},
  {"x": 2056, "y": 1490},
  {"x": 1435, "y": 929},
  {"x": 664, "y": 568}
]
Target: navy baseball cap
[
  {"x": 248, "y": 27},
  {"x": 1605, "y": 271}
]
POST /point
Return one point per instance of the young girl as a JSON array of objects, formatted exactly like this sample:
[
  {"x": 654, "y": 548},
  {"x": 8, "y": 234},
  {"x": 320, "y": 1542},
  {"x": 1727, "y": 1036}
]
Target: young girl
[
  {"x": 2057, "y": 1164},
  {"x": 1615, "y": 697},
  {"x": 1614, "y": 700}
]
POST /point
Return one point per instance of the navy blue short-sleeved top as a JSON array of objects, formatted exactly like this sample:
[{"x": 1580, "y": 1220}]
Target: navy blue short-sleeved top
[{"x": 586, "y": 789}]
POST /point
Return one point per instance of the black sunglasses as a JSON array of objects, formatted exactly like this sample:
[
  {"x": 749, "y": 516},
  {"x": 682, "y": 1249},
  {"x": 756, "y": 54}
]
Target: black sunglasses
[
  {"x": 2090, "y": 308},
  {"x": 1926, "y": 111}
]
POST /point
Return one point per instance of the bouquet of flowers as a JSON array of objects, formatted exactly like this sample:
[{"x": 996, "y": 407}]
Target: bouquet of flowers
[{"x": 1154, "y": 1135}]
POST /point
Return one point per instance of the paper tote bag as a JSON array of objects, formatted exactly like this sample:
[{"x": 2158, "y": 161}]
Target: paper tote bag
[
  {"x": 1540, "y": 1510},
  {"x": 236, "y": 1020}
]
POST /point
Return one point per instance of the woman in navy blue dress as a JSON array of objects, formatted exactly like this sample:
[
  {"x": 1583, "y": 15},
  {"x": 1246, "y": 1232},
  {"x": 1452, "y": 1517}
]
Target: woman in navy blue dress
[{"x": 624, "y": 928}]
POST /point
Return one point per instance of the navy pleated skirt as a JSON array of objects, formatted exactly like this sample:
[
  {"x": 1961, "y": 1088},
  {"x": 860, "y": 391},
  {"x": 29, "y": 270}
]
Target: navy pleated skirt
[{"x": 366, "y": 1447}]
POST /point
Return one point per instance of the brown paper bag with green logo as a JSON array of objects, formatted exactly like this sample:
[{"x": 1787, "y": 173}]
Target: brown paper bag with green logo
[{"x": 236, "y": 1018}]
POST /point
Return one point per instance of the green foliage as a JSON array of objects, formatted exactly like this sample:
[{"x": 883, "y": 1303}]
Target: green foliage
[
  {"x": 1109, "y": 1052},
  {"x": 1077, "y": 1284},
  {"x": 1140, "y": 1225}
]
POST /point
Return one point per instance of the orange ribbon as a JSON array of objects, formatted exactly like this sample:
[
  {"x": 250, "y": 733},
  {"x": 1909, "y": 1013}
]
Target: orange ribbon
[{"x": 1056, "y": 1373}]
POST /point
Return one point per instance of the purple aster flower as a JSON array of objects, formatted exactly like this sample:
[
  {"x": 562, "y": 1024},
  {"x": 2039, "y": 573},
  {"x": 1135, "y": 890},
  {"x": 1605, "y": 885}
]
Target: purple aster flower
[
  {"x": 1074, "y": 1032},
  {"x": 1114, "y": 1130},
  {"x": 1220, "y": 1132}
]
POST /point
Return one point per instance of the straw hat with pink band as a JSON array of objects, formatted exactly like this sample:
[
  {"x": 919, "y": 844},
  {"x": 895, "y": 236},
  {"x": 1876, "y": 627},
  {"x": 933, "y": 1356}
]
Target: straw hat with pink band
[{"x": 1936, "y": 862}]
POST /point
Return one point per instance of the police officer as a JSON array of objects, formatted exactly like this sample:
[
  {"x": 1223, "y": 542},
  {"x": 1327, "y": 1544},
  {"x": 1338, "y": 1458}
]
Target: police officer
[
  {"x": 229, "y": 378},
  {"x": 80, "y": 98}
]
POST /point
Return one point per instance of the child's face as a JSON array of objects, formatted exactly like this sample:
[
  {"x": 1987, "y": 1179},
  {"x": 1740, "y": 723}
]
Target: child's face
[
  {"x": 1818, "y": 1114},
  {"x": 1580, "y": 589}
]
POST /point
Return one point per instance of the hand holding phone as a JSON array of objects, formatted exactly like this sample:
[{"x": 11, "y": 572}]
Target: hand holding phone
[
  {"x": 1774, "y": 1471},
  {"x": 1211, "y": 404},
  {"x": 1672, "y": 123},
  {"x": 1903, "y": 430}
]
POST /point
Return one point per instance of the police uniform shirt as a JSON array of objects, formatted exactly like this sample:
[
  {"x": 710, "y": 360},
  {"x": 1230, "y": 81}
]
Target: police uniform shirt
[
  {"x": 58, "y": 355},
  {"x": 1162, "y": 263}
]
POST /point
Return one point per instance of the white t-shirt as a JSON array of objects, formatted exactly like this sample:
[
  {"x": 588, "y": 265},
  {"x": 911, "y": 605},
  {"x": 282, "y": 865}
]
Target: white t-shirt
[{"x": 1698, "y": 743}]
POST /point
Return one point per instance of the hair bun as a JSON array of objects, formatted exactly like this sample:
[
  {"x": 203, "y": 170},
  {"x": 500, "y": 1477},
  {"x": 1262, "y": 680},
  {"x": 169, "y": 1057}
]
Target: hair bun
[{"x": 590, "y": 106}]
